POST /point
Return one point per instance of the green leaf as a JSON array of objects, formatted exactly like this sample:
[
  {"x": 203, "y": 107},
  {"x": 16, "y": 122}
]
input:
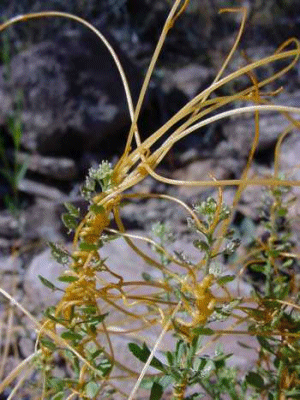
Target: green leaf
[
  {"x": 257, "y": 268},
  {"x": 181, "y": 350},
  {"x": 265, "y": 344},
  {"x": 57, "y": 384},
  {"x": 201, "y": 245},
  {"x": 47, "y": 283},
  {"x": 75, "y": 212},
  {"x": 142, "y": 354},
  {"x": 60, "y": 255},
  {"x": 104, "y": 366},
  {"x": 91, "y": 309},
  {"x": 96, "y": 353},
  {"x": 287, "y": 353},
  {"x": 147, "y": 277},
  {"x": 91, "y": 390},
  {"x": 69, "y": 335},
  {"x": 222, "y": 357},
  {"x": 73, "y": 359},
  {"x": 22, "y": 170},
  {"x": 206, "y": 367},
  {"x": 294, "y": 393},
  {"x": 99, "y": 265},
  {"x": 176, "y": 374},
  {"x": 225, "y": 279},
  {"x": 146, "y": 383},
  {"x": 244, "y": 345},
  {"x": 273, "y": 253},
  {"x": 15, "y": 129},
  {"x": 282, "y": 212},
  {"x": 165, "y": 381},
  {"x": 197, "y": 343},
  {"x": 255, "y": 380},
  {"x": 203, "y": 331},
  {"x": 98, "y": 318},
  {"x": 69, "y": 221},
  {"x": 49, "y": 313},
  {"x": 170, "y": 358},
  {"x": 47, "y": 343},
  {"x": 288, "y": 263},
  {"x": 156, "y": 391},
  {"x": 67, "y": 278},
  {"x": 200, "y": 363}
]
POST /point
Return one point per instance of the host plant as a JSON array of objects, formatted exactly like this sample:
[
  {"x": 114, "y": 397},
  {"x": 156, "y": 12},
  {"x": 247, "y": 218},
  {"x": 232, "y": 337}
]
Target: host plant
[{"x": 184, "y": 298}]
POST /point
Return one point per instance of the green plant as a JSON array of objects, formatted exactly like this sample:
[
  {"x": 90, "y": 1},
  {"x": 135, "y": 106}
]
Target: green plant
[
  {"x": 273, "y": 318},
  {"x": 12, "y": 170},
  {"x": 187, "y": 298}
]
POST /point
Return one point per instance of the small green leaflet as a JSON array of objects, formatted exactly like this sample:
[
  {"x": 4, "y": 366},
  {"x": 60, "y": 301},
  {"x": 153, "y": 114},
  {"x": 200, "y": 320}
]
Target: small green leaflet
[
  {"x": 60, "y": 255},
  {"x": 156, "y": 391},
  {"x": 204, "y": 331},
  {"x": 47, "y": 283},
  {"x": 255, "y": 380},
  {"x": 68, "y": 335},
  {"x": 69, "y": 221},
  {"x": 142, "y": 354},
  {"x": 75, "y": 212},
  {"x": 49, "y": 313},
  {"x": 225, "y": 279},
  {"x": 47, "y": 343},
  {"x": 91, "y": 390}
]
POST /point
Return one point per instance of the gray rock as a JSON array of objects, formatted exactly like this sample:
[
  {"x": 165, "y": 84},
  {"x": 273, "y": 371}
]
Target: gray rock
[
  {"x": 37, "y": 295},
  {"x": 187, "y": 79},
  {"x": 10, "y": 227},
  {"x": 201, "y": 170},
  {"x": 43, "y": 220},
  {"x": 10, "y": 264},
  {"x": 59, "y": 168},
  {"x": 73, "y": 97},
  {"x": 239, "y": 131},
  {"x": 40, "y": 190},
  {"x": 5, "y": 246},
  {"x": 289, "y": 159}
]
